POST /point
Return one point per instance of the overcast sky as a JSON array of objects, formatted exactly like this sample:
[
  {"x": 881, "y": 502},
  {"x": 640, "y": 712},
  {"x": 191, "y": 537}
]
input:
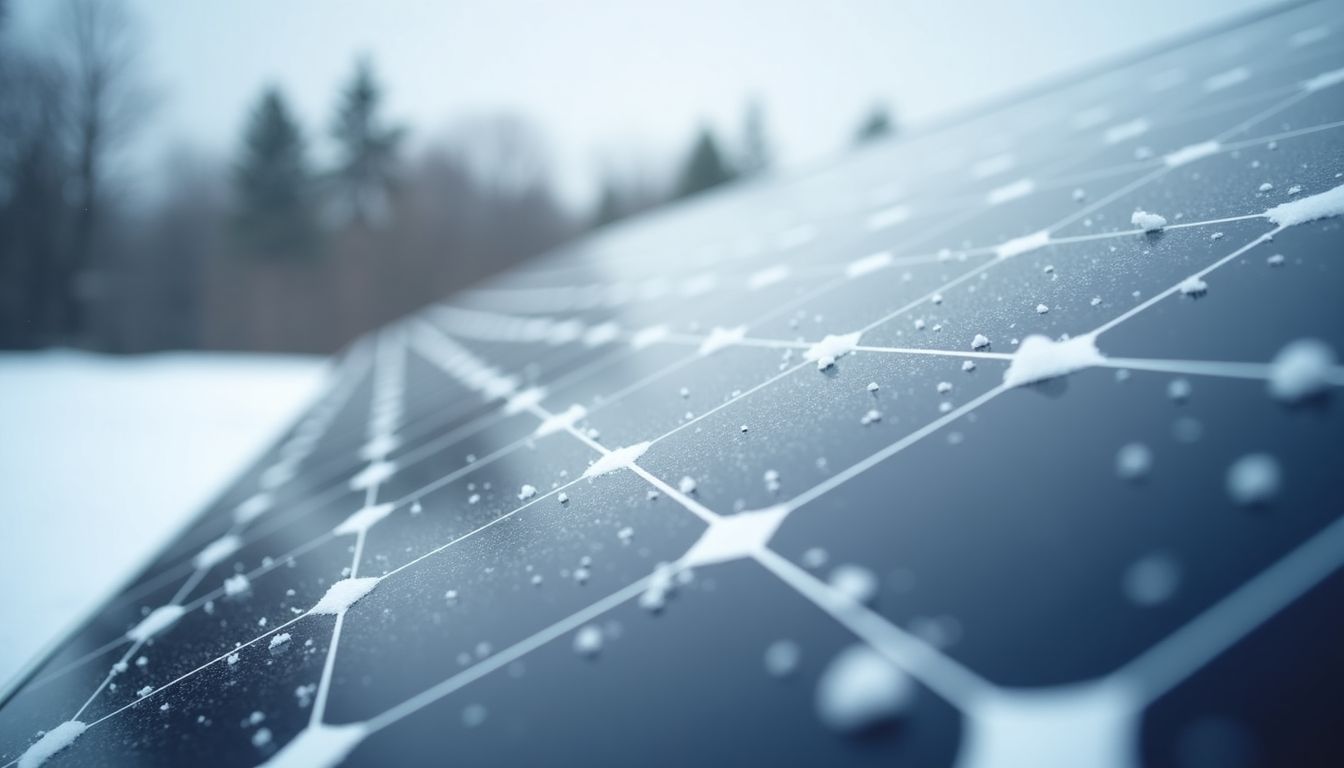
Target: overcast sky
[{"x": 609, "y": 80}]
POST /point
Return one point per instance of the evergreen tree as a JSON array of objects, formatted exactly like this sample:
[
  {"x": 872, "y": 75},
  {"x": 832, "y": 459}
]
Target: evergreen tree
[
  {"x": 704, "y": 168},
  {"x": 273, "y": 182},
  {"x": 366, "y": 165},
  {"x": 877, "y": 125},
  {"x": 755, "y": 141},
  {"x": 610, "y": 206}
]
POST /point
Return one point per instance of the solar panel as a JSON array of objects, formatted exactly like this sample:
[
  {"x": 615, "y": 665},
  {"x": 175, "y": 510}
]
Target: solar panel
[{"x": 1014, "y": 442}]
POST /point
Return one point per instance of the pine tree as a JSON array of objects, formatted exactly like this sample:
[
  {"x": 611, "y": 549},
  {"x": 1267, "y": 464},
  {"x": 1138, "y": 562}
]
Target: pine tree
[
  {"x": 877, "y": 125},
  {"x": 364, "y": 175},
  {"x": 610, "y": 206},
  {"x": 705, "y": 167},
  {"x": 273, "y": 182}
]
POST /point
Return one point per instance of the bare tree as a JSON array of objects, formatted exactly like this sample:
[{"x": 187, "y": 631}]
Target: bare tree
[
  {"x": 504, "y": 153},
  {"x": 33, "y": 212},
  {"x": 98, "y": 50}
]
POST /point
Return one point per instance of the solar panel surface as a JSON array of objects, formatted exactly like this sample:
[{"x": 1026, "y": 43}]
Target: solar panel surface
[{"x": 999, "y": 445}]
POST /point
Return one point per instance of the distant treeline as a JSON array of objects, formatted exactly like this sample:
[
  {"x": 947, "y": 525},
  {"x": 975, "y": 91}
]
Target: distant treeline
[{"x": 271, "y": 252}]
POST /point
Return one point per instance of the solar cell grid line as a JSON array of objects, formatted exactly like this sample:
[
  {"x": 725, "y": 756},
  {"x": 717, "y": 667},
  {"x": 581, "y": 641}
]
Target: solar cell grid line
[
  {"x": 496, "y": 662},
  {"x": 775, "y": 560},
  {"x": 169, "y": 612},
  {"x": 1243, "y": 370},
  {"x": 415, "y": 454},
  {"x": 941, "y": 673},
  {"x": 935, "y": 256},
  {"x": 1165, "y": 665},
  {"x": 390, "y": 386},
  {"x": 188, "y": 607},
  {"x": 1179, "y": 225},
  {"x": 321, "y": 497},
  {"x": 417, "y": 424},
  {"x": 336, "y": 392},
  {"x": 983, "y": 743},
  {"x": 701, "y": 511},
  {"x": 350, "y": 439},
  {"x": 392, "y": 394},
  {"x": 1120, "y": 233},
  {"x": 984, "y": 250},
  {"x": 398, "y": 503},
  {"x": 296, "y": 449},
  {"x": 1136, "y": 164},
  {"x": 839, "y": 478},
  {"x": 306, "y": 546}
]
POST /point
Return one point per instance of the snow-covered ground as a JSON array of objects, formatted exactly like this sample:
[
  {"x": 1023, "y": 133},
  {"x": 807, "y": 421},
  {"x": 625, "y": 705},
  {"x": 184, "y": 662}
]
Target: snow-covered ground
[{"x": 103, "y": 459}]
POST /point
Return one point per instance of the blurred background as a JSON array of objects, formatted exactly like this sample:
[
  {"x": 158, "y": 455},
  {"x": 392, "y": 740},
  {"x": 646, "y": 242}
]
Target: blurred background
[
  {"x": 209, "y": 181},
  {"x": 254, "y": 175}
]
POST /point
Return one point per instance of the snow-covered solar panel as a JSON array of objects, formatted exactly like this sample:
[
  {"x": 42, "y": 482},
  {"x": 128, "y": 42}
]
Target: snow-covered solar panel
[{"x": 1011, "y": 443}]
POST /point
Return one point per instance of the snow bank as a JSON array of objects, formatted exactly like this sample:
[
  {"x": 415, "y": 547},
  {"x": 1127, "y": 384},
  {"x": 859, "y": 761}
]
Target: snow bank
[{"x": 109, "y": 421}]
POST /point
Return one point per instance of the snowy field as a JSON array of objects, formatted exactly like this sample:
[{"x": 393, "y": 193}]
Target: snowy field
[{"x": 105, "y": 458}]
